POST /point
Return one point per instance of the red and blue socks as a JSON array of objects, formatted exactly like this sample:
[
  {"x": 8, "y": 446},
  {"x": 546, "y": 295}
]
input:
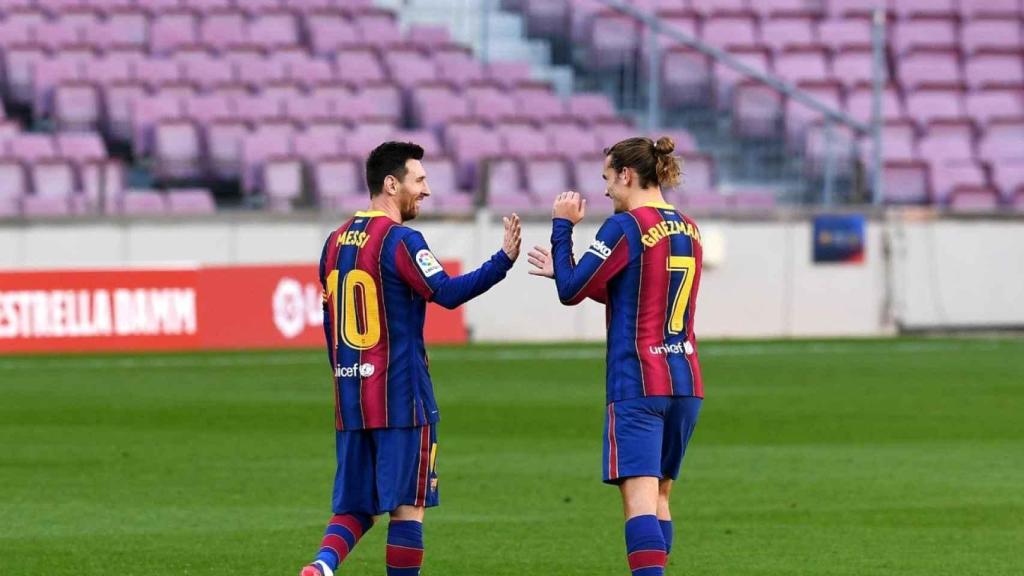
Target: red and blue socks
[
  {"x": 645, "y": 545},
  {"x": 666, "y": 531},
  {"x": 405, "y": 548},
  {"x": 341, "y": 536}
]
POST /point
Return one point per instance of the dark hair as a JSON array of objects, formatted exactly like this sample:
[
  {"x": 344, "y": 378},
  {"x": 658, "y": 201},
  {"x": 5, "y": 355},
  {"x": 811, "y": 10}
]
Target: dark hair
[
  {"x": 389, "y": 159},
  {"x": 653, "y": 162}
]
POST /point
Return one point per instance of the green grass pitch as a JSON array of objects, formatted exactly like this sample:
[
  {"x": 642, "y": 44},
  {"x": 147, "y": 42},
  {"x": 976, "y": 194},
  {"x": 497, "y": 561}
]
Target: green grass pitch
[{"x": 900, "y": 457}]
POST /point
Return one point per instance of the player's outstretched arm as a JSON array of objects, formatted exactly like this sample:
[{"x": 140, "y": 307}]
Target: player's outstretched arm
[
  {"x": 421, "y": 270},
  {"x": 606, "y": 256}
]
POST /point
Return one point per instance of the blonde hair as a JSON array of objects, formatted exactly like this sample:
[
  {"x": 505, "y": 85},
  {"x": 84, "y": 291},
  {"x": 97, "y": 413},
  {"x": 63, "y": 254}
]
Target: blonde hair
[{"x": 652, "y": 161}]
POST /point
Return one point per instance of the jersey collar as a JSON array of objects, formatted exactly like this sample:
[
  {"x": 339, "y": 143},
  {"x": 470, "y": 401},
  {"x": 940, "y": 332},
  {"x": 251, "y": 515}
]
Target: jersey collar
[
  {"x": 663, "y": 205},
  {"x": 369, "y": 213}
]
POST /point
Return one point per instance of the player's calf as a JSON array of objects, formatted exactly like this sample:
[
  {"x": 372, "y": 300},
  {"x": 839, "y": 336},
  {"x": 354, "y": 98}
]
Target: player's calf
[{"x": 342, "y": 534}]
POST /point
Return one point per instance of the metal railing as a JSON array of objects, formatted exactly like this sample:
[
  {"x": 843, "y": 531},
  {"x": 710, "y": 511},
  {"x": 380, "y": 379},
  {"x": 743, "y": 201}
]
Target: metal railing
[{"x": 831, "y": 115}]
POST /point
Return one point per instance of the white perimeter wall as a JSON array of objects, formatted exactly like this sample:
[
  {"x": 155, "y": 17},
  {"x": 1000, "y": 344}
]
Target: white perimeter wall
[{"x": 944, "y": 273}]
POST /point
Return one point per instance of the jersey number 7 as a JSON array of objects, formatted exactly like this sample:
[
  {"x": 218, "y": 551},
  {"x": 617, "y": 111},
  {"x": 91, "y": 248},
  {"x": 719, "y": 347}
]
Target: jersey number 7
[
  {"x": 687, "y": 265},
  {"x": 360, "y": 311}
]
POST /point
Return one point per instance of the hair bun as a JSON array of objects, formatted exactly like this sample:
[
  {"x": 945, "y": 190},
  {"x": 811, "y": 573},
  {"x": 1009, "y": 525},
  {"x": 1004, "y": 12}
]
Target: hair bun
[{"x": 664, "y": 146}]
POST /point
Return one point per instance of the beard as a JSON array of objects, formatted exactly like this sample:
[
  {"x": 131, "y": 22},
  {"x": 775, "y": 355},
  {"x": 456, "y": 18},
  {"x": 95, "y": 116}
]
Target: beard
[{"x": 407, "y": 207}]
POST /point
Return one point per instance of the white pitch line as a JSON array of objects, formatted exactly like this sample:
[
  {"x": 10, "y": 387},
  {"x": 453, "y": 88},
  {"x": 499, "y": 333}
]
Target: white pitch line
[{"x": 585, "y": 352}]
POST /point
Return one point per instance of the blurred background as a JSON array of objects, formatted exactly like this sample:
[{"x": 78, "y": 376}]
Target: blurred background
[{"x": 857, "y": 167}]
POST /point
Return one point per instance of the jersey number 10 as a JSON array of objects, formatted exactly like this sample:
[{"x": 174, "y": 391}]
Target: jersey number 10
[
  {"x": 359, "y": 327},
  {"x": 687, "y": 265}
]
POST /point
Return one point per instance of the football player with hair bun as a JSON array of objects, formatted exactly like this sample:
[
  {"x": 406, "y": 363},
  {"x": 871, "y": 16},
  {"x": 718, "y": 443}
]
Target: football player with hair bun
[
  {"x": 378, "y": 276},
  {"x": 645, "y": 266}
]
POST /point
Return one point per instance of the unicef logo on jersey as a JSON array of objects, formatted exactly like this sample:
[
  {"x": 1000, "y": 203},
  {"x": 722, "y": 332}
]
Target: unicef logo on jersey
[
  {"x": 666, "y": 349},
  {"x": 364, "y": 370}
]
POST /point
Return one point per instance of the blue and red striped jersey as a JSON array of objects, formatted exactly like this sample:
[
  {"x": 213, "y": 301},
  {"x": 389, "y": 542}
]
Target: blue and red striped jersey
[
  {"x": 645, "y": 267},
  {"x": 377, "y": 277}
]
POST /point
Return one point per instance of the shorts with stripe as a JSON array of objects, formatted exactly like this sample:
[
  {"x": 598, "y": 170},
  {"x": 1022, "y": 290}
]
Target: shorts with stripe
[
  {"x": 648, "y": 436},
  {"x": 384, "y": 468}
]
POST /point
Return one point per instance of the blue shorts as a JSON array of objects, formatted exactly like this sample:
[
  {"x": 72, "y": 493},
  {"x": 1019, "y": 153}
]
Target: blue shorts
[
  {"x": 648, "y": 436},
  {"x": 382, "y": 469}
]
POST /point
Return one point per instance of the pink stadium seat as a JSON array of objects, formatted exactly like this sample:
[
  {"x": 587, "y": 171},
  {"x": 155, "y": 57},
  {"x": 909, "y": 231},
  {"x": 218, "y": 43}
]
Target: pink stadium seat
[
  {"x": 1003, "y": 141},
  {"x": 974, "y": 199},
  {"x": 46, "y": 75},
  {"x": 787, "y": 8},
  {"x": 334, "y": 180},
  {"x": 1008, "y": 177},
  {"x": 319, "y": 141},
  {"x": 223, "y": 140},
  {"x": 738, "y": 30},
  {"x": 726, "y": 78},
  {"x": 190, "y": 201},
  {"x": 994, "y": 69},
  {"x": 31, "y": 148},
  {"x": 572, "y": 141},
  {"x": 81, "y": 147},
  {"x": 799, "y": 115},
  {"x": 258, "y": 147},
  {"x": 58, "y": 34},
  {"x": 206, "y": 7},
  {"x": 698, "y": 173},
  {"x": 469, "y": 143},
  {"x": 172, "y": 30},
  {"x": 508, "y": 74},
  {"x": 757, "y": 109},
  {"x": 156, "y": 71},
  {"x": 359, "y": 65},
  {"x": 13, "y": 186},
  {"x": 586, "y": 176},
  {"x": 539, "y": 106},
  {"x": 207, "y": 71},
  {"x": 719, "y": 7},
  {"x": 328, "y": 32},
  {"x": 614, "y": 38},
  {"x": 102, "y": 182},
  {"x": 925, "y": 33},
  {"x": 985, "y": 106},
  {"x": 787, "y": 32},
  {"x": 906, "y": 182},
  {"x": 108, "y": 69},
  {"x": 523, "y": 140},
  {"x": 686, "y": 77},
  {"x": 118, "y": 100},
  {"x": 458, "y": 68},
  {"x": 203, "y": 109},
  {"x": 141, "y": 202},
  {"x": 52, "y": 178},
  {"x": 899, "y": 141},
  {"x": 146, "y": 112},
  {"x": 308, "y": 72},
  {"x": 490, "y": 103},
  {"x": 921, "y": 67},
  {"x": 257, "y": 108},
  {"x": 504, "y": 187},
  {"x": 76, "y": 106},
  {"x": 859, "y": 102},
  {"x": 947, "y": 141},
  {"x": 222, "y": 29},
  {"x": 591, "y": 109},
  {"x": 178, "y": 151},
  {"x": 126, "y": 27},
  {"x": 991, "y": 8},
  {"x": 378, "y": 29},
  {"x": 273, "y": 29},
  {"x": 281, "y": 182},
  {"x": 946, "y": 177},
  {"x": 925, "y": 106},
  {"x": 409, "y": 68},
  {"x": 802, "y": 64},
  {"x": 917, "y": 8},
  {"x": 991, "y": 33},
  {"x": 546, "y": 177},
  {"x": 435, "y": 106}
]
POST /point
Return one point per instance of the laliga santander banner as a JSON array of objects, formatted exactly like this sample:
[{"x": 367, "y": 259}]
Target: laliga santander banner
[{"x": 207, "y": 308}]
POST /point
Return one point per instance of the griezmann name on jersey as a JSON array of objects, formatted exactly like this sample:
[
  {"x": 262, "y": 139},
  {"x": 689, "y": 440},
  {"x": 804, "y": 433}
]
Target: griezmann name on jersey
[
  {"x": 377, "y": 277},
  {"x": 645, "y": 265}
]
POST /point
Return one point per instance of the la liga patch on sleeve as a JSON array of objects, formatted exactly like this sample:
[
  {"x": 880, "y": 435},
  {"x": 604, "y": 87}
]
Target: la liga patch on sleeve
[{"x": 428, "y": 263}]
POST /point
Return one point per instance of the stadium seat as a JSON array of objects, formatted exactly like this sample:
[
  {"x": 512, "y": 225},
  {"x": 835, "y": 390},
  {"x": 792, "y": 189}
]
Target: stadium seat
[
  {"x": 177, "y": 150},
  {"x": 335, "y": 180},
  {"x": 934, "y": 104},
  {"x": 974, "y": 199},
  {"x": 995, "y": 69},
  {"x": 802, "y": 64},
  {"x": 906, "y": 182},
  {"x": 921, "y": 67},
  {"x": 947, "y": 141},
  {"x": 991, "y": 34},
  {"x": 932, "y": 33},
  {"x": 222, "y": 29},
  {"x": 1008, "y": 177},
  {"x": 190, "y": 202},
  {"x": 141, "y": 202},
  {"x": 1003, "y": 140},
  {"x": 13, "y": 186},
  {"x": 946, "y": 177},
  {"x": 81, "y": 147},
  {"x": 985, "y": 106},
  {"x": 779, "y": 34},
  {"x": 991, "y": 8},
  {"x": 172, "y": 30}
]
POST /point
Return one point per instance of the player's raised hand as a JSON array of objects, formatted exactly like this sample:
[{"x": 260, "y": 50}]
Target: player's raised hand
[
  {"x": 513, "y": 236},
  {"x": 540, "y": 258},
  {"x": 570, "y": 205}
]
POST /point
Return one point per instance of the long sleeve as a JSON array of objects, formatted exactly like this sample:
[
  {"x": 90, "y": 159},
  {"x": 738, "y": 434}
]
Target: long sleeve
[
  {"x": 606, "y": 257},
  {"x": 420, "y": 270}
]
